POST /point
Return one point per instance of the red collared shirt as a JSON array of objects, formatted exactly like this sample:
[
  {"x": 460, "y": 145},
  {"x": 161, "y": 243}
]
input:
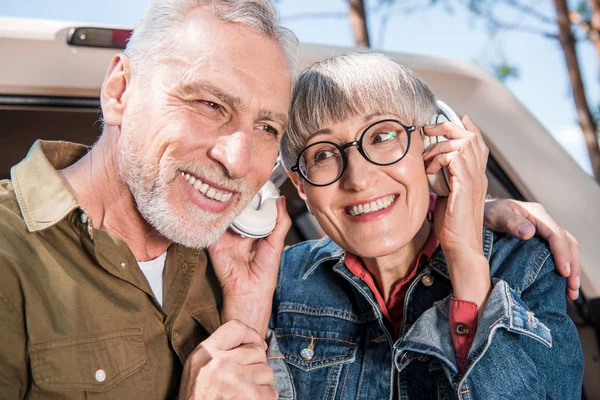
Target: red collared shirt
[{"x": 463, "y": 314}]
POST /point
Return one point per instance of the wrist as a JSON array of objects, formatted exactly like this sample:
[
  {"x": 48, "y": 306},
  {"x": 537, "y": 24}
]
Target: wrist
[
  {"x": 253, "y": 310},
  {"x": 470, "y": 277}
]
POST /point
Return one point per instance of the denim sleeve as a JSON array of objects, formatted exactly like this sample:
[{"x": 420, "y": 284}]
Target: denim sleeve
[
  {"x": 525, "y": 347},
  {"x": 525, "y": 341}
]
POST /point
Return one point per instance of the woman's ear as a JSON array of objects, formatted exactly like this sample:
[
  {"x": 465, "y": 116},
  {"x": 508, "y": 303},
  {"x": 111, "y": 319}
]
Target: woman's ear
[
  {"x": 299, "y": 183},
  {"x": 113, "y": 94}
]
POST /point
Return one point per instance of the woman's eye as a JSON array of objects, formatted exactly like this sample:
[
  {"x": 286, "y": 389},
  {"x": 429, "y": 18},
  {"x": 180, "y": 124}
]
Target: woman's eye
[
  {"x": 384, "y": 137},
  {"x": 323, "y": 155}
]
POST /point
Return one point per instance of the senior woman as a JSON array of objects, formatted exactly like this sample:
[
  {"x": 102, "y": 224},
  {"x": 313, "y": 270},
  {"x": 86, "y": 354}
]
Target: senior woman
[{"x": 402, "y": 300}]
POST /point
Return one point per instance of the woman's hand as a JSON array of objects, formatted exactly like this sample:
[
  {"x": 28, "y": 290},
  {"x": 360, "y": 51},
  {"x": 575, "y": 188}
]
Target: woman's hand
[
  {"x": 458, "y": 219},
  {"x": 247, "y": 270},
  {"x": 523, "y": 220}
]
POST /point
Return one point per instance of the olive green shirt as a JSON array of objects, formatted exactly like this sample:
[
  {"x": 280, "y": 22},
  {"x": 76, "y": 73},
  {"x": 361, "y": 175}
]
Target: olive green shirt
[{"x": 78, "y": 319}]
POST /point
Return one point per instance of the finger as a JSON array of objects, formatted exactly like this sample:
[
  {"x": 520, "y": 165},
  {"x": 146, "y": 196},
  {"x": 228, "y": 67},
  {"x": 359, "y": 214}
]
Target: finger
[
  {"x": 446, "y": 146},
  {"x": 249, "y": 354},
  {"x": 511, "y": 223},
  {"x": 233, "y": 334},
  {"x": 482, "y": 150},
  {"x": 283, "y": 222},
  {"x": 469, "y": 150},
  {"x": 574, "y": 279},
  {"x": 453, "y": 161},
  {"x": 259, "y": 374},
  {"x": 559, "y": 245},
  {"x": 448, "y": 129},
  {"x": 470, "y": 125},
  {"x": 263, "y": 392}
]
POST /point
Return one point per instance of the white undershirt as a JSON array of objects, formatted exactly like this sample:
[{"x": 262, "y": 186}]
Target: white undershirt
[{"x": 153, "y": 270}]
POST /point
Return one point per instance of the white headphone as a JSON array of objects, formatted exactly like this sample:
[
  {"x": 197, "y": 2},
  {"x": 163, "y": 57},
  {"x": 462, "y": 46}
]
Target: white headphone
[
  {"x": 259, "y": 217},
  {"x": 439, "y": 181}
]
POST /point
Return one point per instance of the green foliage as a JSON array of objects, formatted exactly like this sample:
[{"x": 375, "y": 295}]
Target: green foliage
[
  {"x": 583, "y": 8},
  {"x": 504, "y": 72}
]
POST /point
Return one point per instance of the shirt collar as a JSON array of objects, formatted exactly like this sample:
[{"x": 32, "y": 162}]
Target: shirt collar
[{"x": 43, "y": 196}]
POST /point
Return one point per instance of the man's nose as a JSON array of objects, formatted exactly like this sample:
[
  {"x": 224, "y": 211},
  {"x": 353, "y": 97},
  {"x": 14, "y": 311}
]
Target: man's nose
[
  {"x": 360, "y": 174},
  {"x": 234, "y": 152}
]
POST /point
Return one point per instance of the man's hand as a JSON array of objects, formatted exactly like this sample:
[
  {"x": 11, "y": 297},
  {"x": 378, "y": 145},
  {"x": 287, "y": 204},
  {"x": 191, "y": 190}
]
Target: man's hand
[
  {"x": 247, "y": 270},
  {"x": 523, "y": 220},
  {"x": 230, "y": 364}
]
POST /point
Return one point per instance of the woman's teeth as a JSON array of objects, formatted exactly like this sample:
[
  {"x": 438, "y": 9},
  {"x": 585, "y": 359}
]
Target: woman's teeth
[
  {"x": 373, "y": 206},
  {"x": 206, "y": 189}
]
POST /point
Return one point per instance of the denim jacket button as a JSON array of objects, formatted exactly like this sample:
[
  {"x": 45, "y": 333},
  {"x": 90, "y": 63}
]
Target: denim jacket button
[
  {"x": 461, "y": 329},
  {"x": 427, "y": 280},
  {"x": 307, "y": 354}
]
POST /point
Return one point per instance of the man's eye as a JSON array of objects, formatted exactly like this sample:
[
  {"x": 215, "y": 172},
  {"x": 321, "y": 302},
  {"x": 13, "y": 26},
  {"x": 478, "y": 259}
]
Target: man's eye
[
  {"x": 269, "y": 129},
  {"x": 211, "y": 104}
]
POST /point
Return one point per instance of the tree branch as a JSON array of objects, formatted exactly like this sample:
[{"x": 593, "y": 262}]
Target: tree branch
[
  {"x": 530, "y": 11},
  {"x": 502, "y": 25}
]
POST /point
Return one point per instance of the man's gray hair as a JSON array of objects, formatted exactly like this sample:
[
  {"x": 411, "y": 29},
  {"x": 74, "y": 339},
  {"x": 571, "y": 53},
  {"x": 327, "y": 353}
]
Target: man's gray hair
[
  {"x": 158, "y": 28},
  {"x": 355, "y": 84}
]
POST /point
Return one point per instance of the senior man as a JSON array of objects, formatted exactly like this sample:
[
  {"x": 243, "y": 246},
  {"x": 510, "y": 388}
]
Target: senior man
[{"x": 105, "y": 286}]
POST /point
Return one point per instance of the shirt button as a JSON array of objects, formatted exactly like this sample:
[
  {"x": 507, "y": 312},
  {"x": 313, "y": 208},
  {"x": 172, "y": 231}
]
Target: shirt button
[
  {"x": 83, "y": 218},
  {"x": 403, "y": 358},
  {"x": 100, "y": 375},
  {"x": 307, "y": 354},
  {"x": 461, "y": 329},
  {"x": 427, "y": 280},
  {"x": 122, "y": 265}
]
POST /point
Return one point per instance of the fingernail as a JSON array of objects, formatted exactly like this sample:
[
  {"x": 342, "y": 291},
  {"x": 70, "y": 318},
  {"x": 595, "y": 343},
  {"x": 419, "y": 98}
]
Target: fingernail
[
  {"x": 578, "y": 281},
  {"x": 284, "y": 203},
  {"x": 568, "y": 268},
  {"x": 523, "y": 229}
]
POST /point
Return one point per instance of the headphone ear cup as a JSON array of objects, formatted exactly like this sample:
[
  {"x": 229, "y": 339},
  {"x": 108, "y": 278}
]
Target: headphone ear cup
[
  {"x": 438, "y": 181},
  {"x": 259, "y": 218}
]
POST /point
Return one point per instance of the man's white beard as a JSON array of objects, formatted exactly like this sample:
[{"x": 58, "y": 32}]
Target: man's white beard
[{"x": 149, "y": 185}]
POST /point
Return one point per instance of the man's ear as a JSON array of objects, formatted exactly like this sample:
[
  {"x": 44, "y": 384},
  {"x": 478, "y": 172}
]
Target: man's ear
[{"x": 113, "y": 94}]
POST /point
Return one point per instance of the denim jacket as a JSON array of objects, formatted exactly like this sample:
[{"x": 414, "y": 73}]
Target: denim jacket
[{"x": 329, "y": 339}]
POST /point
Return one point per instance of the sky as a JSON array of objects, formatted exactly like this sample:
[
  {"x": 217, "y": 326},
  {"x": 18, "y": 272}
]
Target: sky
[{"x": 542, "y": 85}]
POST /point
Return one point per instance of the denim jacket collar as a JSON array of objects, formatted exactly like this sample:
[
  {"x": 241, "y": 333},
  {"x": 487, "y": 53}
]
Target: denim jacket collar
[{"x": 332, "y": 252}]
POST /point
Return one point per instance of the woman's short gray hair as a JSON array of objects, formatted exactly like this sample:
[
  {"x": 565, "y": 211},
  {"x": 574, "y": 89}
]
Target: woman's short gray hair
[
  {"x": 158, "y": 28},
  {"x": 332, "y": 90}
]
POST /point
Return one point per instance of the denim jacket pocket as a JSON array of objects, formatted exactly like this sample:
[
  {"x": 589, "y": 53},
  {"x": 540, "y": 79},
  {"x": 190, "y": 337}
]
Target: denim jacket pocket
[
  {"x": 309, "y": 350},
  {"x": 91, "y": 363}
]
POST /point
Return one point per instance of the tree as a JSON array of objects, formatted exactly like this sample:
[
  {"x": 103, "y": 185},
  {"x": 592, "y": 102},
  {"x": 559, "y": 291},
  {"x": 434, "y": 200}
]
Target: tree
[
  {"x": 561, "y": 27},
  {"x": 586, "y": 16}
]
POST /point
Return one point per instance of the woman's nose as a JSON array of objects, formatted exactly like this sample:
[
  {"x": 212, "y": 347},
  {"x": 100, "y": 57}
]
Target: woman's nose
[{"x": 360, "y": 173}]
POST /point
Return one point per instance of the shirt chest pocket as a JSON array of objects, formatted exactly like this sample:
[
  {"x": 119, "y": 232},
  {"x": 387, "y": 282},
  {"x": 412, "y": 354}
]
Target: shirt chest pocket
[
  {"x": 91, "y": 363},
  {"x": 309, "y": 350},
  {"x": 319, "y": 361}
]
